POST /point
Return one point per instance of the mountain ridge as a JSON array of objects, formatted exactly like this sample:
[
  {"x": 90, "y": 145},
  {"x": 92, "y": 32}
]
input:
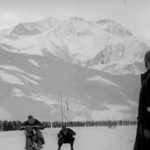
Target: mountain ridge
[{"x": 85, "y": 62}]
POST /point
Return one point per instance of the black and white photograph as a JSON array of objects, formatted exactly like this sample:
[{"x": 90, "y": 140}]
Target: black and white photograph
[{"x": 74, "y": 74}]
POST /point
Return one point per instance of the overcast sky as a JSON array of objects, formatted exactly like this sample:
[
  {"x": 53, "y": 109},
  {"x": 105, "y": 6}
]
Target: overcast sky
[{"x": 133, "y": 14}]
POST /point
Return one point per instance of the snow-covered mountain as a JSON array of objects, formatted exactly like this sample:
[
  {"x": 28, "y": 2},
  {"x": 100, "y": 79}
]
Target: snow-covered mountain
[
  {"x": 94, "y": 44},
  {"x": 87, "y": 63}
]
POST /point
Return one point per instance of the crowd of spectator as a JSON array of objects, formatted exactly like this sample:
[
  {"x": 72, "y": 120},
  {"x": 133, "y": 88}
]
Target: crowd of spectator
[
  {"x": 15, "y": 125},
  {"x": 10, "y": 125},
  {"x": 107, "y": 123}
]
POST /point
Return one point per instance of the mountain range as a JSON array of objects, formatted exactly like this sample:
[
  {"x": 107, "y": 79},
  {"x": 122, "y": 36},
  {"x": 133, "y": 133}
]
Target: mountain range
[{"x": 92, "y": 67}]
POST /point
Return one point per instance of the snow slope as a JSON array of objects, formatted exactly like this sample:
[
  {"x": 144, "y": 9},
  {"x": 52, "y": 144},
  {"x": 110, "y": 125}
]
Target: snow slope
[
  {"x": 94, "y": 64},
  {"x": 102, "y": 138}
]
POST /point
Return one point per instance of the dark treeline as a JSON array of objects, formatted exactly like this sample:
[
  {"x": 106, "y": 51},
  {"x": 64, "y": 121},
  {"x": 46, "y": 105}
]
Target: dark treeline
[{"x": 15, "y": 125}]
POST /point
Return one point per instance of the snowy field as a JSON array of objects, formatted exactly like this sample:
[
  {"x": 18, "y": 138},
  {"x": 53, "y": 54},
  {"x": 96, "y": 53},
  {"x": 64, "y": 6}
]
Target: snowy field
[{"x": 90, "y": 138}]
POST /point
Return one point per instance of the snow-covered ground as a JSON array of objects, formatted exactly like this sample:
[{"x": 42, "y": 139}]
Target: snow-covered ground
[{"x": 90, "y": 138}]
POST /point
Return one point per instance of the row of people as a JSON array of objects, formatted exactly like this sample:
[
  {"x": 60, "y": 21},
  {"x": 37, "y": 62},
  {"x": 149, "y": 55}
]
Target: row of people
[
  {"x": 10, "y": 125},
  {"x": 15, "y": 125},
  {"x": 107, "y": 123}
]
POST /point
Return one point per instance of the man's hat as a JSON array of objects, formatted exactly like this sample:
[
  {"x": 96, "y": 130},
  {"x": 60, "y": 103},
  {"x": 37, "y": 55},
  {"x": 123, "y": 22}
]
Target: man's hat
[
  {"x": 30, "y": 117},
  {"x": 147, "y": 56}
]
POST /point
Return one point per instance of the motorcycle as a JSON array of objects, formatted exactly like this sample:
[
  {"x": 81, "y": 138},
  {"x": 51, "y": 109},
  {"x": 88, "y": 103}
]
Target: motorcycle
[{"x": 32, "y": 140}]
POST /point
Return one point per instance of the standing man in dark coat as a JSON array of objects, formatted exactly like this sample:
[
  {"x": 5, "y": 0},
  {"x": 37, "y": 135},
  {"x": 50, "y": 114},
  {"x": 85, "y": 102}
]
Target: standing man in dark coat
[{"x": 142, "y": 141}]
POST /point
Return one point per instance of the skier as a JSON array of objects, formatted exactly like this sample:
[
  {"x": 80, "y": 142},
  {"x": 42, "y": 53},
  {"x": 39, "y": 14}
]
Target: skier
[
  {"x": 31, "y": 122},
  {"x": 65, "y": 135}
]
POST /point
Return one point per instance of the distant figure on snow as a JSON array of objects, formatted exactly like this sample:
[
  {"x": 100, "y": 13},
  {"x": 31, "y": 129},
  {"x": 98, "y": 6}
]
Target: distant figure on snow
[
  {"x": 142, "y": 140},
  {"x": 66, "y": 135}
]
